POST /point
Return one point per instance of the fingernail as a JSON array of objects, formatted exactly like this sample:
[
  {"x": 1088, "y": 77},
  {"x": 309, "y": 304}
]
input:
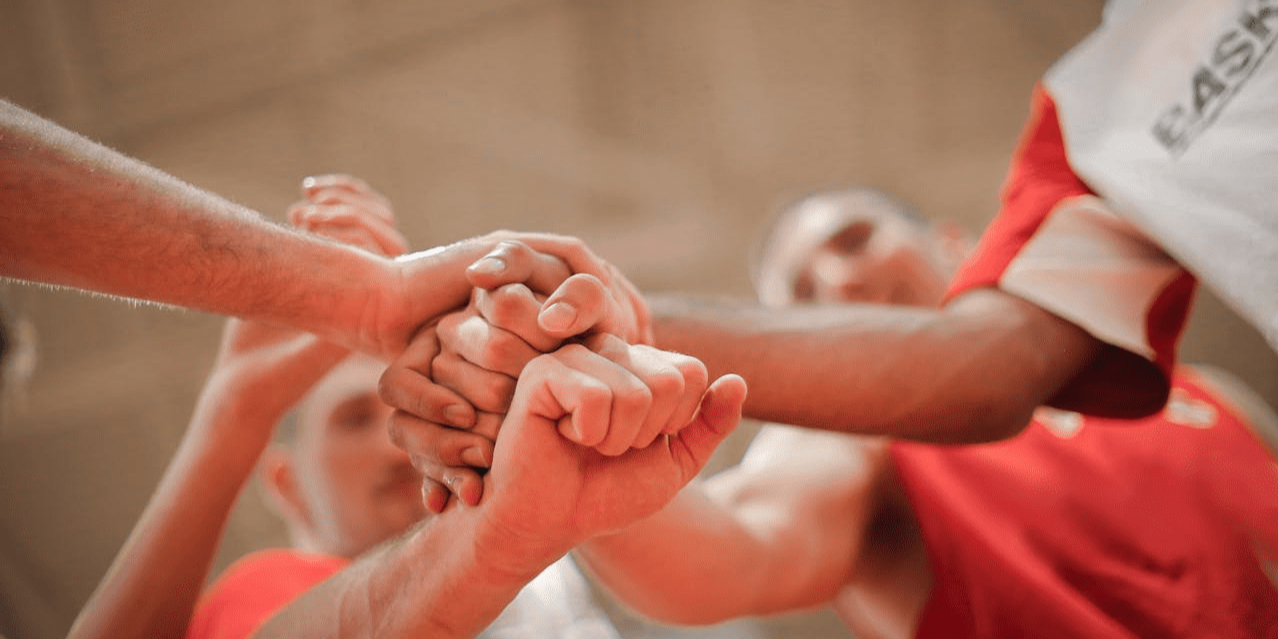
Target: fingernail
[
  {"x": 473, "y": 456},
  {"x": 489, "y": 266},
  {"x": 459, "y": 416},
  {"x": 471, "y": 497},
  {"x": 309, "y": 182},
  {"x": 558, "y": 316},
  {"x": 434, "y": 501}
]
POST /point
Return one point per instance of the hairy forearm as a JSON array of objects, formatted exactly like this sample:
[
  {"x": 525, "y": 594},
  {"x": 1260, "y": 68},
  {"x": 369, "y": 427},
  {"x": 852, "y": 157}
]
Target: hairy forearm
[
  {"x": 152, "y": 586},
  {"x": 75, "y": 213},
  {"x": 435, "y": 582},
  {"x": 973, "y": 371}
]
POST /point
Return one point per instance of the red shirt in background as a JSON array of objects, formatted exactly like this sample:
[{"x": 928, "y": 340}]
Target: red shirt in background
[{"x": 254, "y": 588}]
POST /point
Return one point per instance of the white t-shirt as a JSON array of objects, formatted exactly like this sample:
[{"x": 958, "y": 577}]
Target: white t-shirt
[{"x": 1169, "y": 111}]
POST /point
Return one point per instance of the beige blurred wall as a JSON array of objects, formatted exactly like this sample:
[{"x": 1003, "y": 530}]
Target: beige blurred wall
[{"x": 663, "y": 132}]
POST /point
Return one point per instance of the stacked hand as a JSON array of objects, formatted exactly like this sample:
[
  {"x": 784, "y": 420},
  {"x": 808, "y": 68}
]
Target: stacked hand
[
  {"x": 607, "y": 428},
  {"x": 426, "y": 285},
  {"x": 596, "y": 440}
]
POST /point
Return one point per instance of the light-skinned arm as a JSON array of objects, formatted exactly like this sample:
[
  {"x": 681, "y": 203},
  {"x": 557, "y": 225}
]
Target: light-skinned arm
[
  {"x": 152, "y": 585},
  {"x": 781, "y": 531},
  {"x": 455, "y": 573},
  {"x": 76, "y": 213}
]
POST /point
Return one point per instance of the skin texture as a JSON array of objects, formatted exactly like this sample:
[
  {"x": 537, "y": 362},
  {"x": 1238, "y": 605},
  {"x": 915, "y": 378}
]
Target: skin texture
[
  {"x": 260, "y": 373},
  {"x": 74, "y": 213}
]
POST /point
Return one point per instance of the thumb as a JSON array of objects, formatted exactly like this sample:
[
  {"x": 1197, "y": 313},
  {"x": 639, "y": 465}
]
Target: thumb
[
  {"x": 718, "y": 415},
  {"x": 578, "y": 305}
]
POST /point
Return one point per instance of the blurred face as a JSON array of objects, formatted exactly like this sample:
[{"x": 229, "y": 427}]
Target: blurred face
[
  {"x": 359, "y": 489},
  {"x": 852, "y": 249}
]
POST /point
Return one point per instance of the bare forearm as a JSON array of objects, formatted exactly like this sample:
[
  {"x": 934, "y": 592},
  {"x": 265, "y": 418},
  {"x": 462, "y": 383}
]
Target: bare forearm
[
  {"x": 971, "y": 372},
  {"x": 694, "y": 562},
  {"x": 75, "y": 213},
  {"x": 435, "y": 582},
  {"x": 152, "y": 586},
  {"x": 779, "y": 532}
]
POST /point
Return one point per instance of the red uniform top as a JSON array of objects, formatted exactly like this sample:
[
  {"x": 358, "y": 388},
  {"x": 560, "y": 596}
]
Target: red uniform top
[
  {"x": 1057, "y": 245},
  {"x": 1098, "y": 528},
  {"x": 557, "y": 603},
  {"x": 255, "y": 588}
]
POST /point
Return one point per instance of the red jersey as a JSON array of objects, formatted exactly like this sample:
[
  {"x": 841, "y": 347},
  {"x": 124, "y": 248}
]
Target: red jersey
[
  {"x": 1097, "y": 528},
  {"x": 254, "y": 588},
  {"x": 1054, "y": 243},
  {"x": 557, "y": 603}
]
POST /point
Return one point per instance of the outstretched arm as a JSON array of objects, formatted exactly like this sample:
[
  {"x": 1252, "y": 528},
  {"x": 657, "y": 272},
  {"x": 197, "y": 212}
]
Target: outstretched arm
[
  {"x": 781, "y": 531},
  {"x": 152, "y": 586},
  {"x": 971, "y": 371},
  {"x": 455, "y": 573},
  {"x": 75, "y": 213}
]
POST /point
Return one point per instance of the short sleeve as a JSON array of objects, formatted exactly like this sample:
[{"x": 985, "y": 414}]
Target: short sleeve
[{"x": 1057, "y": 244}]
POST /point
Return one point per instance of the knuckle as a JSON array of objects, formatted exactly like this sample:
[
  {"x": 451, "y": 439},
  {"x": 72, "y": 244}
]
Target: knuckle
[
  {"x": 512, "y": 249},
  {"x": 596, "y": 394},
  {"x": 499, "y": 348},
  {"x": 667, "y": 382},
  {"x": 635, "y": 399},
  {"x": 586, "y": 285},
  {"x": 599, "y": 343},
  {"x": 500, "y": 393},
  {"x": 508, "y": 304},
  {"x": 540, "y": 365}
]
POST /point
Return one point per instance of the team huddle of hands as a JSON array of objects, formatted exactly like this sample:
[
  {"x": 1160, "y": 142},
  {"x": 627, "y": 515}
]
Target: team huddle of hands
[{"x": 538, "y": 398}]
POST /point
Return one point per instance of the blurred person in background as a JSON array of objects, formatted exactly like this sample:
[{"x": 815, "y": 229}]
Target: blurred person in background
[{"x": 1078, "y": 526}]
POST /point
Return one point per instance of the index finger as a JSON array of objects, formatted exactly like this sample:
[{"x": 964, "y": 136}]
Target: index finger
[{"x": 512, "y": 262}]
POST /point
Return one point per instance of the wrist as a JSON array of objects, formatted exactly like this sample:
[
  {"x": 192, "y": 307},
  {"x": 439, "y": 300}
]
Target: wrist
[
  {"x": 505, "y": 553},
  {"x": 421, "y": 287},
  {"x": 415, "y": 585},
  {"x": 375, "y": 300}
]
